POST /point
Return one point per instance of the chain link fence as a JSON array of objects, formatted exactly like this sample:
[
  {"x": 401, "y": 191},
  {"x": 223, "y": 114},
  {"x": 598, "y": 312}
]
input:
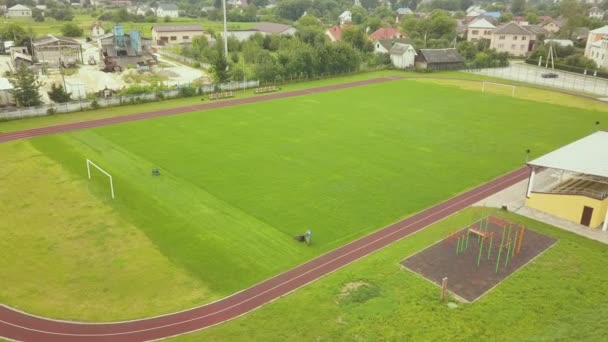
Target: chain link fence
[{"x": 548, "y": 78}]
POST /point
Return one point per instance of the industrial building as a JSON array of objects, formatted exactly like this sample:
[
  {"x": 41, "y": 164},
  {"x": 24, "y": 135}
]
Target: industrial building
[
  {"x": 55, "y": 52},
  {"x": 572, "y": 182},
  {"x": 119, "y": 49}
]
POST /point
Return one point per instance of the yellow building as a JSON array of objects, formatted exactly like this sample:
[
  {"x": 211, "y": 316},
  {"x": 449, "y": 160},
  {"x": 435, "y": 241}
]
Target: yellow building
[{"x": 572, "y": 182}]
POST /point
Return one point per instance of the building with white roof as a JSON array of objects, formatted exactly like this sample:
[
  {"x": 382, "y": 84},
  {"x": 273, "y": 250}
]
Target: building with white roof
[
  {"x": 19, "y": 11},
  {"x": 572, "y": 182},
  {"x": 594, "y": 36}
]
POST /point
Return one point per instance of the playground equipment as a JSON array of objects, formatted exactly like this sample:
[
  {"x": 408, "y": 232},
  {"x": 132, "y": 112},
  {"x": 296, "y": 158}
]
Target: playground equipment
[{"x": 511, "y": 240}]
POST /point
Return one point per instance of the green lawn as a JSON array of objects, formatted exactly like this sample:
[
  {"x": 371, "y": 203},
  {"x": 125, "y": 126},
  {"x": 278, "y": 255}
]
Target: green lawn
[
  {"x": 52, "y": 26},
  {"x": 42, "y": 121},
  {"x": 558, "y": 297},
  {"x": 237, "y": 183}
]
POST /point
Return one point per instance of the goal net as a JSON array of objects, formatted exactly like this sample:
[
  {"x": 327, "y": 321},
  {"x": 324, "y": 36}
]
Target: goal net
[
  {"x": 89, "y": 164},
  {"x": 498, "y": 88}
]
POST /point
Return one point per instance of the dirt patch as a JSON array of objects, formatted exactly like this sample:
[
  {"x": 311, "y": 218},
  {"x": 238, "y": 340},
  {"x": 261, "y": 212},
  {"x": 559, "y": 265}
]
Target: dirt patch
[{"x": 357, "y": 292}]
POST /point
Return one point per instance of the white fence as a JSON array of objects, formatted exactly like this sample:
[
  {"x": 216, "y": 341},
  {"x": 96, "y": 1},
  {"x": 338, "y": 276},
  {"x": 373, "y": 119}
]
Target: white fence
[{"x": 76, "y": 106}]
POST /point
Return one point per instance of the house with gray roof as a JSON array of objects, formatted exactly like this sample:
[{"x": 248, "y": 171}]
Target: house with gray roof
[
  {"x": 403, "y": 56},
  {"x": 514, "y": 39},
  {"x": 19, "y": 11},
  {"x": 480, "y": 29},
  {"x": 439, "y": 59},
  {"x": 385, "y": 45}
]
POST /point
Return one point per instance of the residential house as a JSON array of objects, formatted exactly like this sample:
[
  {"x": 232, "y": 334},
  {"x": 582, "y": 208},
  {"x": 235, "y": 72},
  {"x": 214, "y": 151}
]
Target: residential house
[
  {"x": 598, "y": 52},
  {"x": 19, "y": 11},
  {"x": 119, "y": 49},
  {"x": 167, "y": 10},
  {"x": 175, "y": 34},
  {"x": 335, "y": 33},
  {"x": 493, "y": 15},
  {"x": 594, "y": 36},
  {"x": 480, "y": 29},
  {"x": 401, "y": 12},
  {"x": 6, "y": 95},
  {"x": 403, "y": 56},
  {"x": 346, "y": 17},
  {"x": 513, "y": 39},
  {"x": 596, "y": 13},
  {"x": 580, "y": 34},
  {"x": 474, "y": 11},
  {"x": 56, "y": 52},
  {"x": 386, "y": 33},
  {"x": 97, "y": 31},
  {"x": 439, "y": 59},
  {"x": 385, "y": 45},
  {"x": 551, "y": 25}
]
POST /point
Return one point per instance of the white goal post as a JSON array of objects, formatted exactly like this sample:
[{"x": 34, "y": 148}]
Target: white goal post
[
  {"x": 89, "y": 163},
  {"x": 483, "y": 87}
]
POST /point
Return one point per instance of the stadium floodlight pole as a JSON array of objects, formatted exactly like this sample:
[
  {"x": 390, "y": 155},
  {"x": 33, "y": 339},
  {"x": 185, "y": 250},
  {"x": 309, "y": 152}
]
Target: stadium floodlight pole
[{"x": 225, "y": 31}]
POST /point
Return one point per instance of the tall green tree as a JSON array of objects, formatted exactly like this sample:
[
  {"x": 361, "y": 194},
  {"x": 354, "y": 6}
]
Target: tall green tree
[
  {"x": 71, "y": 30},
  {"x": 58, "y": 94},
  {"x": 518, "y": 7},
  {"x": 219, "y": 64},
  {"x": 26, "y": 88}
]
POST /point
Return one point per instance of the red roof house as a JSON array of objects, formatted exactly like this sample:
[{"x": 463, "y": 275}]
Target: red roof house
[
  {"x": 386, "y": 33},
  {"x": 335, "y": 33}
]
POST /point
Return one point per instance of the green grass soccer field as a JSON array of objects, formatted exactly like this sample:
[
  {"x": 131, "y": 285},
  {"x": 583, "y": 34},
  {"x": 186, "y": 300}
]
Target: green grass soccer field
[{"x": 238, "y": 183}]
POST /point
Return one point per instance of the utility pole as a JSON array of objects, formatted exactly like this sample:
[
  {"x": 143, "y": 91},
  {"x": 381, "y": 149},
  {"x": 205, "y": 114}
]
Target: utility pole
[{"x": 225, "y": 30}]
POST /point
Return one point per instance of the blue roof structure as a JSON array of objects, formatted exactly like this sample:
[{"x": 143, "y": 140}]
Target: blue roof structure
[
  {"x": 494, "y": 15},
  {"x": 404, "y": 10}
]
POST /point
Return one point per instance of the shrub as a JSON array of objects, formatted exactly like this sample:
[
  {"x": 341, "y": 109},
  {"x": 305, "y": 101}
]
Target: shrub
[
  {"x": 95, "y": 105},
  {"x": 51, "y": 111},
  {"x": 187, "y": 91}
]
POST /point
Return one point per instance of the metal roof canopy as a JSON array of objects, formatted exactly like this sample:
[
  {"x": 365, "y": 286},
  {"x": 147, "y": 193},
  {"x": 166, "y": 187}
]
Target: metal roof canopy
[{"x": 588, "y": 155}]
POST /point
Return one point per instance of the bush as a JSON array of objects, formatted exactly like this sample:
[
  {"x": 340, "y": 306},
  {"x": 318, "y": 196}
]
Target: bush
[
  {"x": 187, "y": 91},
  {"x": 95, "y": 105},
  {"x": 160, "y": 96},
  {"x": 51, "y": 111},
  {"x": 196, "y": 65},
  {"x": 71, "y": 30}
]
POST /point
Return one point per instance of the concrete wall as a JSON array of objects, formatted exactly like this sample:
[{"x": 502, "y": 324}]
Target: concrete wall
[
  {"x": 569, "y": 207},
  {"x": 180, "y": 36}
]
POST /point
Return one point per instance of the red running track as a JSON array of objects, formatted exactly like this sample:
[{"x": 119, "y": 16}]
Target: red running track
[
  {"x": 22, "y": 326},
  {"x": 4, "y": 137},
  {"x": 18, "y": 325}
]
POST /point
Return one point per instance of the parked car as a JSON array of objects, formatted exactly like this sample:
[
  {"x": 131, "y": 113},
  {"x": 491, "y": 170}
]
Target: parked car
[{"x": 549, "y": 75}]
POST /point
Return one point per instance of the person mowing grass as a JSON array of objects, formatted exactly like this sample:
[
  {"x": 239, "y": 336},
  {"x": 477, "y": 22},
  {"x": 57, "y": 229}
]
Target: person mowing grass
[{"x": 304, "y": 238}]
